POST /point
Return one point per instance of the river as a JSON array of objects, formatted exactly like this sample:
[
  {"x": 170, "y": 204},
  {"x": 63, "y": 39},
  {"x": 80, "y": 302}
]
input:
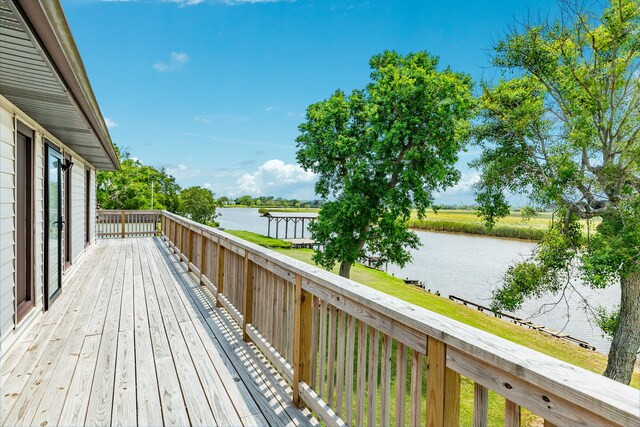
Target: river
[{"x": 470, "y": 267}]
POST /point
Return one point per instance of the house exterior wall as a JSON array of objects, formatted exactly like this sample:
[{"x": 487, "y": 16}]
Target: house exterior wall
[
  {"x": 9, "y": 114},
  {"x": 7, "y": 222}
]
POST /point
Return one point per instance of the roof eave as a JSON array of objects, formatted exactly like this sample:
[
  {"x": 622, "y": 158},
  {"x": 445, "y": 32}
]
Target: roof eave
[{"x": 50, "y": 25}]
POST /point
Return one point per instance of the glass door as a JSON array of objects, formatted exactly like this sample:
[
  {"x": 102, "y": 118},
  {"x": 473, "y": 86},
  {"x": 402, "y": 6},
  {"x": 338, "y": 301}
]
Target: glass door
[{"x": 54, "y": 224}]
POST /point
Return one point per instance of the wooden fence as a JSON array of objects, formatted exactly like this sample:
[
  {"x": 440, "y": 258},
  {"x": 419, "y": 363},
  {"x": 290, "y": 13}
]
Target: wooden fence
[
  {"x": 127, "y": 223},
  {"x": 356, "y": 356}
]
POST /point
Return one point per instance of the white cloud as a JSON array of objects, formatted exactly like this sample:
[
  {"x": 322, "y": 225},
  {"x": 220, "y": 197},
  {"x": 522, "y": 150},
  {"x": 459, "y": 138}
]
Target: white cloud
[
  {"x": 270, "y": 108},
  {"x": 183, "y": 171},
  {"x": 465, "y": 185},
  {"x": 176, "y": 61},
  {"x": 110, "y": 123},
  {"x": 292, "y": 114},
  {"x": 207, "y": 185},
  {"x": 277, "y": 177}
]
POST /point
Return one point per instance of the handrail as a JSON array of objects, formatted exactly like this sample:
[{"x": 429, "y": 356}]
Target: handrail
[
  {"x": 274, "y": 297},
  {"x": 127, "y": 223}
]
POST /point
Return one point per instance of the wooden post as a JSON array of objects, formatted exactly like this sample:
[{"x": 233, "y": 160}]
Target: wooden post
[
  {"x": 269, "y": 228},
  {"x": 122, "y": 224},
  {"x": 220, "y": 274},
  {"x": 247, "y": 306},
  {"x": 301, "y": 340},
  {"x": 443, "y": 388}
]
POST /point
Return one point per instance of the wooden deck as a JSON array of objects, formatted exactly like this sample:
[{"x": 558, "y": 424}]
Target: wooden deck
[{"x": 133, "y": 340}]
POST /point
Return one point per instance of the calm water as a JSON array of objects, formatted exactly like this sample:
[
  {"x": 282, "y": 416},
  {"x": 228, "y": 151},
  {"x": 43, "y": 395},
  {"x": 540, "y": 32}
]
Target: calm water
[{"x": 470, "y": 267}]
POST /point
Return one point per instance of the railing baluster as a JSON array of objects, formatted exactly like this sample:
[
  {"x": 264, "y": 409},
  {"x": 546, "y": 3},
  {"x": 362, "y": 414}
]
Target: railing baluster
[
  {"x": 480, "y": 406},
  {"x": 511, "y": 414},
  {"x": 361, "y": 379},
  {"x": 331, "y": 372},
  {"x": 416, "y": 389},
  {"x": 323, "y": 348},
  {"x": 385, "y": 380},
  {"x": 220, "y": 275},
  {"x": 351, "y": 337},
  {"x": 247, "y": 311},
  {"x": 401, "y": 383},
  {"x": 341, "y": 362},
  {"x": 373, "y": 376}
]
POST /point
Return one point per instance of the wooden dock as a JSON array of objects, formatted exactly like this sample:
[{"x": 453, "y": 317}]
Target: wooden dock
[{"x": 133, "y": 340}]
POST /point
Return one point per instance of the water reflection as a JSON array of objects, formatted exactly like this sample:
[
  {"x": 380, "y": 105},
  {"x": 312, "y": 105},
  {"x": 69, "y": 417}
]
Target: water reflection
[{"x": 470, "y": 267}]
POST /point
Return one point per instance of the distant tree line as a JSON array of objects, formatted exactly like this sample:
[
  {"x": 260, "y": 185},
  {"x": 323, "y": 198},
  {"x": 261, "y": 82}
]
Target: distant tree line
[
  {"x": 270, "y": 201},
  {"x": 137, "y": 186}
]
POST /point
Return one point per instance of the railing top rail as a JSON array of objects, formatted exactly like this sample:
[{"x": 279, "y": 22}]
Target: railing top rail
[
  {"x": 126, "y": 211},
  {"x": 613, "y": 400}
]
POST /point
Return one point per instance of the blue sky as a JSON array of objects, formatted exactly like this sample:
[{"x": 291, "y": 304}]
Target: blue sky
[{"x": 214, "y": 90}]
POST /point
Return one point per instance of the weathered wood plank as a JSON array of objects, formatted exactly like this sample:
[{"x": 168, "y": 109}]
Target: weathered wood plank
[
  {"x": 149, "y": 410},
  {"x": 124, "y": 391},
  {"x": 50, "y": 407},
  {"x": 101, "y": 399},
  {"x": 220, "y": 402},
  {"x": 171, "y": 399},
  {"x": 74, "y": 407}
]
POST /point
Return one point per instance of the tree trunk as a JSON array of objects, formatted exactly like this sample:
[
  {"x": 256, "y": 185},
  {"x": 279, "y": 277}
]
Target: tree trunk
[
  {"x": 345, "y": 269},
  {"x": 626, "y": 340}
]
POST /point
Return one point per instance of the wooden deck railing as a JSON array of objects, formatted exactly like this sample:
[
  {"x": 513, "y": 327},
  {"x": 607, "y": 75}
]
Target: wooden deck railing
[
  {"x": 127, "y": 223},
  {"x": 357, "y": 356}
]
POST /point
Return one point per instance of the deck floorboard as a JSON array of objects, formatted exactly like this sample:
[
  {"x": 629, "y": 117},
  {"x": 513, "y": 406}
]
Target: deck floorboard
[{"x": 134, "y": 340}]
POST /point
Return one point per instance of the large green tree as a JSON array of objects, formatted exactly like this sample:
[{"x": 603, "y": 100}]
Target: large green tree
[
  {"x": 565, "y": 129},
  {"x": 198, "y": 204},
  {"x": 136, "y": 186},
  {"x": 382, "y": 151}
]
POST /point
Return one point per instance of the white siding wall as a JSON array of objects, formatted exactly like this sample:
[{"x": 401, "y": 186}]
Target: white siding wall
[
  {"x": 7, "y": 224},
  {"x": 77, "y": 209},
  {"x": 8, "y": 331},
  {"x": 92, "y": 207}
]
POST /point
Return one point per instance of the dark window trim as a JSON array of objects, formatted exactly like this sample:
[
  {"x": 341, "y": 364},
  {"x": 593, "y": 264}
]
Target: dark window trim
[
  {"x": 24, "y": 308},
  {"x": 49, "y": 300}
]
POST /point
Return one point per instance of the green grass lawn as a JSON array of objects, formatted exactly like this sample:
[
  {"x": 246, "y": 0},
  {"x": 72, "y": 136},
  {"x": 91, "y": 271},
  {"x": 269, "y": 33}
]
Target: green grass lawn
[
  {"x": 259, "y": 239},
  {"x": 560, "y": 349}
]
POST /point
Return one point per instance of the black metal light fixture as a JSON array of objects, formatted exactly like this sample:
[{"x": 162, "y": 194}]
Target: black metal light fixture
[{"x": 67, "y": 165}]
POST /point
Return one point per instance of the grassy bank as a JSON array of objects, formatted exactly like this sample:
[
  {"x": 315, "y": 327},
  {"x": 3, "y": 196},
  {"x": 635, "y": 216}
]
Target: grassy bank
[
  {"x": 513, "y": 226},
  {"x": 535, "y": 340},
  {"x": 260, "y": 239}
]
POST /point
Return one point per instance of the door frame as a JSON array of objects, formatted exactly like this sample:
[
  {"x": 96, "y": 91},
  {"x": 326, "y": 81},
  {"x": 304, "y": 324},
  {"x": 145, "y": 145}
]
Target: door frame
[
  {"x": 67, "y": 194},
  {"x": 48, "y": 300},
  {"x": 24, "y": 308}
]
